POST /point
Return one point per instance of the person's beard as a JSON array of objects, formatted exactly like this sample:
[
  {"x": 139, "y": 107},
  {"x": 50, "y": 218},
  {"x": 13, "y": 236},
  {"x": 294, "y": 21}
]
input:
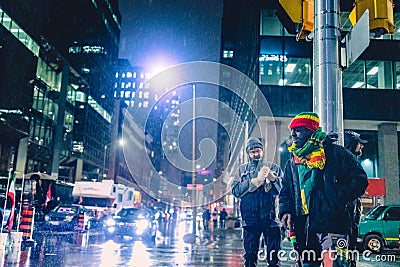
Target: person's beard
[{"x": 255, "y": 161}]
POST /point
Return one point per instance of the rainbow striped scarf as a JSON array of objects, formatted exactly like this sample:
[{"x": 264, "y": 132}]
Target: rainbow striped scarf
[{"x": 312, "y": 154}]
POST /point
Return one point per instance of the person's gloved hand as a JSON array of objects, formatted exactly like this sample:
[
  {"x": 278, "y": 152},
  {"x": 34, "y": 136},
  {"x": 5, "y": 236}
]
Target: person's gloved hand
[
  {"x": 269, "y": 174},
  {"x": 260, "y": 179}
]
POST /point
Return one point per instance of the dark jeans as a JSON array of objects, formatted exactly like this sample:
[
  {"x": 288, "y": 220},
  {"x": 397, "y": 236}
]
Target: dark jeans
[
  {"x": 206, "y": 223},
  {"x": 222, "y": 223},
  {"x": 353, "y": 243},
  {"x": 251, "y": 243},
  {"x": 312, "y": 244}
]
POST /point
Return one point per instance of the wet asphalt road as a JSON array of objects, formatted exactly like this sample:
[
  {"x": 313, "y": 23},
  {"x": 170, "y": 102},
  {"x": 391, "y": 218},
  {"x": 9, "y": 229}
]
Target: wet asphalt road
[{"x": 173, "y": 247}]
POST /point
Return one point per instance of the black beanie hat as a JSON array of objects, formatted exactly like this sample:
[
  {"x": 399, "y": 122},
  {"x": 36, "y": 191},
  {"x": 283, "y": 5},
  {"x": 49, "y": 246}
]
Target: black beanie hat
[{"x": 253, "y": 143}]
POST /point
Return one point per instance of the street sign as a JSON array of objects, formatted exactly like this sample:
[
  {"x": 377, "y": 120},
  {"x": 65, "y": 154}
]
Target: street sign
[{"x": 357, "y": 40}]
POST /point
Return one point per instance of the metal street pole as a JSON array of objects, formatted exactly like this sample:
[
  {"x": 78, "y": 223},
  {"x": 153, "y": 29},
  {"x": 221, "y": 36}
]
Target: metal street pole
[
  {"x": 327, "y": 72},
  {"x": 194, "y": 161},
  {"x": 104, "y": 163}
]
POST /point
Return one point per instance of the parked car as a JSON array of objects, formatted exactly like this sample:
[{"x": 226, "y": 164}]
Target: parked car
[
  {"x": 66, "y": 217},
  {"x": 379, "y": 228},
  {"x": 132, "y": 222}
]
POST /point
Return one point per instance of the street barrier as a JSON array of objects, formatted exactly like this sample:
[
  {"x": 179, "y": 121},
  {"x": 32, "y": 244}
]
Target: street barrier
[
  {"x": 81, "y": 222},
  {"x": 15, "y": 248},
  {"x": 3, "y": 243},
  {"x": 27, "y": 220}
]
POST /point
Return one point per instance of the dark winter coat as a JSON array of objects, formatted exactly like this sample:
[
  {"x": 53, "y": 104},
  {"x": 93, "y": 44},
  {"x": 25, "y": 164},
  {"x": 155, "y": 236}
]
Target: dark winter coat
[
  {"x": 257, "y": 206},
  {"x": 341, "y": 181}
]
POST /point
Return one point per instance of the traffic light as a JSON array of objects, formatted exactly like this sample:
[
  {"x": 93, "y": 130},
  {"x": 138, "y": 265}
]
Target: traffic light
[
  {"x": 380, "y": 15},
  {"x": 297, "y": 16}
]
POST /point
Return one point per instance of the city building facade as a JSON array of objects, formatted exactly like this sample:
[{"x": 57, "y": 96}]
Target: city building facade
[
  {"x": 282, "y": 66},
  {"x": 57, "y": 85}
]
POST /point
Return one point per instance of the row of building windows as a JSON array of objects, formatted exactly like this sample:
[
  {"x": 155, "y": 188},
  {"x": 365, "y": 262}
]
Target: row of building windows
[
  {"x": 87, "y": 49},
  {"x": 19, "y": 33},
  {"x": 78, "y": 96},
  {"x": 134, "y": 75},
  {"x": 292, "y": 71}
]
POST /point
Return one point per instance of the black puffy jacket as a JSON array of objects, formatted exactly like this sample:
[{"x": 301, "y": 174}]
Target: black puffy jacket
[{"x": 341, "y": 181}]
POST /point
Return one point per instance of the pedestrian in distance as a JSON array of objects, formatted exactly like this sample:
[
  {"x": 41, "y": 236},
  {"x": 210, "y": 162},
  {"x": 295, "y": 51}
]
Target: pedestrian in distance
[
  {"x": 206, "y": 218},
  {"x": 320, "y": 179},
  {"x": 222, "y": 218},
  {"x": 214, "y": 218},
  {"x": 257, "y": 184},
  {"x": 354, "y": 143}
]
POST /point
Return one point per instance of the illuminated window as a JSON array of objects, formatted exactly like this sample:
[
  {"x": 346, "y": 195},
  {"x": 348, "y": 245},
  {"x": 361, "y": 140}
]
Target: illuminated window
[
  {"x": 397, "y": 75},
  {"x": 354, "y": 75},
  {"x": 271, "y": 69},
  {"x": 379, "y": 74},
  {"x": 270, "y": 24},
  {"x": 227, "y": 54},
  {"x": 297, "y": 72},
  {"x": 370, "y": 74},
  {"x": 20, "y": 34}
]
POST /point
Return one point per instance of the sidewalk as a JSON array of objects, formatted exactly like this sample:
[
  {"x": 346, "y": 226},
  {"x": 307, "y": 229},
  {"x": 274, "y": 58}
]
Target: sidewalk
[{"x": 226, "y": 245}]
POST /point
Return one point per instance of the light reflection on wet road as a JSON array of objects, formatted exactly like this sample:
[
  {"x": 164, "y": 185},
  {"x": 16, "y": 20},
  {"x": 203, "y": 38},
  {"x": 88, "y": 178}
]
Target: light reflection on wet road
[{"x": 173, "y": 247}]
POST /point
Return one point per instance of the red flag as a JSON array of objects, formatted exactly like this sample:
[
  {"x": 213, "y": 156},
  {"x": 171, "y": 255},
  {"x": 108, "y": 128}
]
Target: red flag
[
  {"x": 48, "y": 196},
  {"x": 11, "y": 195}
]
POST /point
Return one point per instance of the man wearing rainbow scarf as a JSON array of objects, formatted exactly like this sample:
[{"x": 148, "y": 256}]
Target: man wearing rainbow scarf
[{"x": 319, "y": 181}]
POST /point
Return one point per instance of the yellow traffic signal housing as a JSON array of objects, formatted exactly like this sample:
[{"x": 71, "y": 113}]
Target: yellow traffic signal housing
[
  {"x": 298, "y": 18},
  {"x": 381, "y": 19}
]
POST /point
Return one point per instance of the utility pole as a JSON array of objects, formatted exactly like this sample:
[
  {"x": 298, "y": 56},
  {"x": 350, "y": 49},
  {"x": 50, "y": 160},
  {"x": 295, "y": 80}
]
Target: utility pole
[
  {"x": 194, "y": 192},
  {"x": 327, "y": 72}
]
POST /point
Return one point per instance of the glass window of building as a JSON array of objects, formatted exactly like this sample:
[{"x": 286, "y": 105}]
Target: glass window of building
[
  {"x": 396, "y": 35},
  {"x": 270, "y": 24},
  {"x": 397, "y": 75},
  {"x": 354, "y": 76},
  {"x": 271, "y": 72},
  {"x": 68, "y": 121},
  {"x": 379, "y": 74},
  {"x": 297, "y": 72},
  {"x": 228, "y": 54},
  {"x": 285, "y": 71}
]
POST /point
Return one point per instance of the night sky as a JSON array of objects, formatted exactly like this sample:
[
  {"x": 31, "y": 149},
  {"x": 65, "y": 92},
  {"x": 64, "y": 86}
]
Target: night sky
[{"x": 161, "y": 33}]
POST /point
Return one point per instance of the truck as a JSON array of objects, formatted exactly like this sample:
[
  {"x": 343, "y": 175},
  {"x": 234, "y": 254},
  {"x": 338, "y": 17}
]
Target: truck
[{"x": 103, "y": 198}]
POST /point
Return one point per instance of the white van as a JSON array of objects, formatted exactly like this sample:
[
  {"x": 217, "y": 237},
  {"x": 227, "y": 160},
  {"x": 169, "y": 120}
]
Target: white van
[{"x": 104, "y": 198}]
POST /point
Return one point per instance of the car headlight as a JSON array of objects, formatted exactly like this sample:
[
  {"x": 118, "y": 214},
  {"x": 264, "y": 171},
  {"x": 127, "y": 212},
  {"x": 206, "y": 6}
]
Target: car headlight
[
  {"x": 141, "y": 226},
  {"x": 110, "y": 222},
  {"x": 68, "y": 218},
  {"x": 47, "y": 218}
]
